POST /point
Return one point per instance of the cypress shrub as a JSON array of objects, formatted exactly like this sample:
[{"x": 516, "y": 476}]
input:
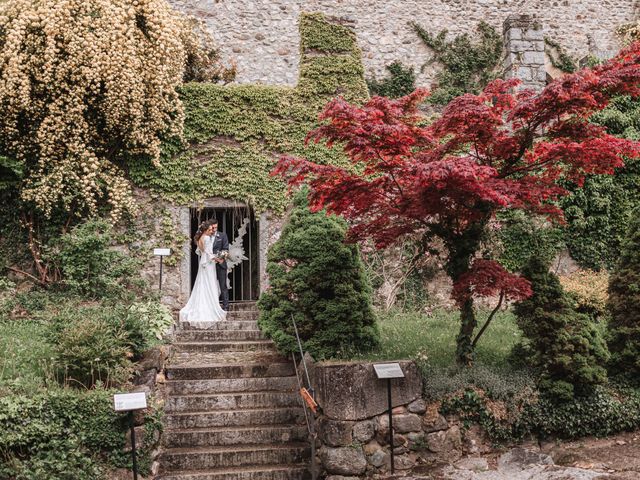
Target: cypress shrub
[
  {"x": 320, "y": 280},
  {"x": 563, "y": 346},
  {"x": 624, "y": 305}
]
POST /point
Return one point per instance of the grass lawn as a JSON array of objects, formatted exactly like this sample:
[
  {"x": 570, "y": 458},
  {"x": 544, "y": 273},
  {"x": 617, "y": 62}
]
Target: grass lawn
[
  {"x": 431, "y": 339},
  {"x": 24, "y": 355}
]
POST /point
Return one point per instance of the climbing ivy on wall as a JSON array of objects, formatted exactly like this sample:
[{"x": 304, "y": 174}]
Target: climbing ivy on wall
[
  {"x": 468, "y": 65},
  {"x": 599, "y": 213},
  {"x": 558, "y": 56},
  {"x": 401, "y": 81},
  {"x": 235, "y": 133}
]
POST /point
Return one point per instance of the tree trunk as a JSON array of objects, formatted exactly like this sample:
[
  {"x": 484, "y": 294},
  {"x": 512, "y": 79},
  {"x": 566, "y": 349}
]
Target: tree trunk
[
  {"x": 464, "y": 348},
  {"x": 462, "y": 249}
]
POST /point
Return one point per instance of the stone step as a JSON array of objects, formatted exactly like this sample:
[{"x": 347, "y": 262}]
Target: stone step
[
  {"x": 213, "y": 335},
  {"x": 236, "y": 456},
  {"x": 242, "y": 306},
  {"x": 247, "y": 417},
  {"x": 228, "y": 401},
  {"x": 205, "y": 372},
  {"x": 242, "y": 315},
  {"x": 224, "y": 325},
  {"x": 264, "y": 472},
  {"x": 224, "y": 346},
  {"x": 220, "y": 436},
  {"x": 232, "y": 385}
]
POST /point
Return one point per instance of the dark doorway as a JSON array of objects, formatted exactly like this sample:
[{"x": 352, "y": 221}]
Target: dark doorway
[{"x": 243, "y": 278}]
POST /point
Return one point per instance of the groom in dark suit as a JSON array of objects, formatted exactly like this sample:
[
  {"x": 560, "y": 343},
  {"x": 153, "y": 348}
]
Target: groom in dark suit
[{"x": 221, "y": 242}]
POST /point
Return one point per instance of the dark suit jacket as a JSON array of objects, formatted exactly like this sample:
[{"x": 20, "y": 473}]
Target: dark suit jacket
[{"x": 220, "y": 242}]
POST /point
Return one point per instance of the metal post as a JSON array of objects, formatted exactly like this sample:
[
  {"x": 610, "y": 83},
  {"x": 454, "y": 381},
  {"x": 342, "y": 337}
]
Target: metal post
[
  {"x": 133, "y": 446},
  {"x": 160, "y": 286},
  {"x": 390, "y": 423}
]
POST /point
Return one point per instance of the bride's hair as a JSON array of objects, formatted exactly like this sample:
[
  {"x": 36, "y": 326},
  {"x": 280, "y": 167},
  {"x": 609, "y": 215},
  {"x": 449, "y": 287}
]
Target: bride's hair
[{"x": 204, "y": 226}]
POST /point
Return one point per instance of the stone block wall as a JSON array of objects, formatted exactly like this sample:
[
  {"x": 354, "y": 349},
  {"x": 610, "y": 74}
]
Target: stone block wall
[
  {"x": 524, "y": 51},
  {"x": 353, "y": 427},
  {"x": 262, "y": 36}
]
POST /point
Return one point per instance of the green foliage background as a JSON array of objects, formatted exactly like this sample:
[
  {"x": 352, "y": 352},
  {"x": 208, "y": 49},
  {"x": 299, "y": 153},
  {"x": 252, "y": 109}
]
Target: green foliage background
[{"x": 599, "y": 213}]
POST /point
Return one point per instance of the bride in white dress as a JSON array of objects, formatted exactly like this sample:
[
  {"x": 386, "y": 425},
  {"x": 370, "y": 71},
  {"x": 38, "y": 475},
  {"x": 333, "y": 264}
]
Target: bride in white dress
[{"x": 203, "y": 307}]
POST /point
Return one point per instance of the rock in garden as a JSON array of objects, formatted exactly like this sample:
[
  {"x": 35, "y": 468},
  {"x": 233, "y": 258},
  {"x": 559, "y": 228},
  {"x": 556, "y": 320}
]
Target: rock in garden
[
  {"x": 418, "y": 406},
  {"x": 379, "y": 458},
  {"x": 444, "y": 440},
  {"x": 404, "y": 423},
  {"x": 336, "y": 433},
  {"x": 364, "y": 431},
  {"x": 475, "y": 464},
  {"x": 434, "y": 423},
  {"x": 371, "y": 447},
  {"x": 519, "y": 458},
  {"x": 344, "y": 460}
]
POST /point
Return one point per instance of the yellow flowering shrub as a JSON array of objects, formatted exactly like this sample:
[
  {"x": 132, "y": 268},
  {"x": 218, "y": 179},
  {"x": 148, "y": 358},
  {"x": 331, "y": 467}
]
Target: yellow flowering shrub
[
  {"x": 589, "y": 288},
  {"x": 84, "y": 85}
]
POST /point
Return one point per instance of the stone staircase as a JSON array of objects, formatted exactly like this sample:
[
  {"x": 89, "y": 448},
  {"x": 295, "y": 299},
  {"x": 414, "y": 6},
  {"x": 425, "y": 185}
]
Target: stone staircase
[{"x": 232, "y": 411}]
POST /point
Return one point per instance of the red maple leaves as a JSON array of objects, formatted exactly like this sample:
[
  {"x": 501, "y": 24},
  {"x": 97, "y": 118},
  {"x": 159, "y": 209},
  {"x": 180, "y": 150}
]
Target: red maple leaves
[{"x": 487, "y": 152}]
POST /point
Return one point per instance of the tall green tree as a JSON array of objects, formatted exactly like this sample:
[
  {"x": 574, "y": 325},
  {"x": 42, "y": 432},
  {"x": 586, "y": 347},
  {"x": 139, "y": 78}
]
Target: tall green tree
[
  {"x": 564, "y": 346},
  {"x": 624, "y": 304},
  {"x": 318, "y": 279}
]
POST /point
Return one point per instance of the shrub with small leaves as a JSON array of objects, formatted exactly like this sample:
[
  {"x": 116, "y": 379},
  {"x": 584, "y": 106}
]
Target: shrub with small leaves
[
  {"x": 589, "y": 289},
  {"x": 564, "y": 346},
  {"x": 89, "y": 264},
  {"x": 624, "y": 305},
  {"x": 319, "y": 280}
]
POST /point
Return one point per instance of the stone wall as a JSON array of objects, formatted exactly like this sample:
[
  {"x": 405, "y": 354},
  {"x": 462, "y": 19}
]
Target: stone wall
[
  {"x": 353, "y": 427},
  {"x": 262, "y": 36}
]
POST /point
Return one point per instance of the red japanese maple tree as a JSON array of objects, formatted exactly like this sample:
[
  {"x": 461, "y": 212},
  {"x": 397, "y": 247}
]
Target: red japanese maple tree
[{"x": 497, "y": 150}]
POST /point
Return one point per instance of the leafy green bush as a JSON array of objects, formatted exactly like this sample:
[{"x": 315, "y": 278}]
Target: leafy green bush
[
  {"x": 318, "y": 279},
  {"x": 601, "y": 413},
  {"x": 66, "y": 434},
  {"x": 604, "y": 411},
  {"x": 89, "y": 264},
  {"x": 522, "y": 236},
  {"x": 400, "y": 82},
  {"x": 624, "y": 304},
  {"x": 58, "y": 434},
  {"x": 564, "y": 346},
  {"x": 91, "y": 344},
  {"x": 497, "y": 383},
  {"x": 153, "y": 318}
]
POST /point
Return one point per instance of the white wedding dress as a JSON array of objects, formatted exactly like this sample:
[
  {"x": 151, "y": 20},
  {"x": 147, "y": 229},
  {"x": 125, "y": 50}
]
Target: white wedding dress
[{"x": 203, "y": 308}]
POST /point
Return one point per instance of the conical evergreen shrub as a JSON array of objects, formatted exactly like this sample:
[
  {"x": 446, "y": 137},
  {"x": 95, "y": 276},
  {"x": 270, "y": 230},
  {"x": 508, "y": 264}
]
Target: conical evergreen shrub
[
  {"x": 320, "y": 281},
  {"x": 563, "y": 346},
  {"x": 624, "y": 305}
]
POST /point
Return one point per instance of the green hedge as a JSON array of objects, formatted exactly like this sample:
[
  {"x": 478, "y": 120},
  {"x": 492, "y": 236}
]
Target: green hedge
[{"x": 63, "y": 435}]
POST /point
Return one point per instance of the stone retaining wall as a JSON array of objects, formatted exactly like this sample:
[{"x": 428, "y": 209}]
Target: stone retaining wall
[{"x": 353, "y": 427}]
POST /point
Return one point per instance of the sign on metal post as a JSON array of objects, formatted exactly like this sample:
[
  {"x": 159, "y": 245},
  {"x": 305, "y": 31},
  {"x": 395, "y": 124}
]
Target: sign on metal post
[
  {"x": 161, "y": 252},
  {"x": 128, "y": 402},
  {"x": 387, "y": 371}
]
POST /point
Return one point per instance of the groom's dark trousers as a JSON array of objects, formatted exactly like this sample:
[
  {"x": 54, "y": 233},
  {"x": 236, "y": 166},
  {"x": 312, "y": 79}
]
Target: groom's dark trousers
[{"x": 221, "y": 242}]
